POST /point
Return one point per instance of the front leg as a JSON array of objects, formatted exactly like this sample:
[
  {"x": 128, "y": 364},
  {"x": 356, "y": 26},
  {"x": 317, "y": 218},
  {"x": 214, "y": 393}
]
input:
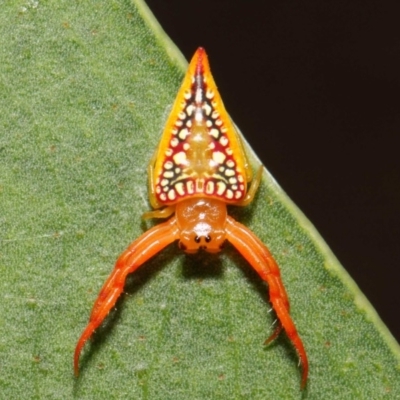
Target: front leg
[
  {"x": 260, "y": 258},
  {"x": 138, "y": 252}
]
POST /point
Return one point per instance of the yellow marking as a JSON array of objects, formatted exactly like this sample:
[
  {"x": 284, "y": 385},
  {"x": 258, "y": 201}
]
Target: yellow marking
[
  {"x": 168, "y": 174},
  {"x": 189, "y": 109},
  {"x": 229, "y": 172},
  {"x": 199, "y": 185},
  {"x": 215, "y": 115},
  {"x": 223, "y": 140},
  {"x": 181, "y": 115},
  {"x": 207, "y": 108},
  {"x": 209, "y": 94},
  {"x": 190, "y": 187},
  {"x": 229, "y": 194},
  {"x": 183, "y": 134},
  {"x": 171, "y": 195},
  {"x": 210, "y": 187},
  {"x": 238, "y": 195},
  {"x": 218, "y": 157},
  {"x": 230, "y": 163},
  {"x": 232, "y": 180},
  {"x": 214, "y": 132},
  {"x": 174, "y": 142},
  {"x": 179, "y": 158},
  {"x": 218, "y": 122},
  {"x": 168, "y": 165},
  {"x": 220, "y": 188},
  {"x": 180, "y": 188},
  {"x": 164, "y": 182}
]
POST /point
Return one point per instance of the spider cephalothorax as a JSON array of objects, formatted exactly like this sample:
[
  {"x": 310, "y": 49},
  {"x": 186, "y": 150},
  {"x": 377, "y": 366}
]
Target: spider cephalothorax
[
  {"x": 202, "y": 224},
  {"x": 198, "y": 169}
]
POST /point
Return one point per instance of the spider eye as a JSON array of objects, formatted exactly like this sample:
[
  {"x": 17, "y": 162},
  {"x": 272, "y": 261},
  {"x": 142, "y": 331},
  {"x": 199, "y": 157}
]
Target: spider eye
[
  {"x": 208, "y": 239},
  {"x": 197, "y": 239}
]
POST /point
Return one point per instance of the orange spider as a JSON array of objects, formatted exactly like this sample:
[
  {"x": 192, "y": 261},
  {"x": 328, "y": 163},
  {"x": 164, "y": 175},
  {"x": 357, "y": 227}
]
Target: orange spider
[{"x": 198, "y": 169}]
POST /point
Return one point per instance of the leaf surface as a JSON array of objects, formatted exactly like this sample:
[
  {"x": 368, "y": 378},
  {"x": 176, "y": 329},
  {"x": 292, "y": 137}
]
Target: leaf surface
[{"x": 85, "y": 88}]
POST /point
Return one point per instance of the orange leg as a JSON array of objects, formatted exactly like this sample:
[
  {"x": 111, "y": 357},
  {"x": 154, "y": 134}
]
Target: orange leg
[
  {"x": 259, "y": 257},
  {"x": 139, "y": 251}
]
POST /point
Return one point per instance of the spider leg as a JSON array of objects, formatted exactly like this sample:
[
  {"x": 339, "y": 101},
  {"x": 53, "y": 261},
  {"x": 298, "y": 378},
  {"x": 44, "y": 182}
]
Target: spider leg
[
  {"x": 161, "y": 213},
  {"x": 260, "y": 258},
  {"x": 138, "y": 252},
  {"x": 274, "y": 334},
  {"x": 255, "y": 183}
]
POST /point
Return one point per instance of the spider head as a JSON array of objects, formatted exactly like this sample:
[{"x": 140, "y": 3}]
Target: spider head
[
  {"x": 201, "y": 236},
  {"x": 202, "y": 225}
]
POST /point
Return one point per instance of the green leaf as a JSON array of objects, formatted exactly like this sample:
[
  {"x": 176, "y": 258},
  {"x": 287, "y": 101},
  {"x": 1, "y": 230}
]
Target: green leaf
[{"x": 85, "y": 91}]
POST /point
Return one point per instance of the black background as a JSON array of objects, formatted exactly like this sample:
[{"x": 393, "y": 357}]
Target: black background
[{"x": 315, "y": 88}]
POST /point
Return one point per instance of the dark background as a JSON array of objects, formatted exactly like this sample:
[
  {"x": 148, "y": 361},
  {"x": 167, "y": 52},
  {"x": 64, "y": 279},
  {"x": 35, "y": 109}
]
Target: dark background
[{"x": 315, "y": 88}]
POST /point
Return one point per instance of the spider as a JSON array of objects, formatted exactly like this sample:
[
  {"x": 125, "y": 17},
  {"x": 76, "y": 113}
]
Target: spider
[{"x": 198, "y": 169}]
